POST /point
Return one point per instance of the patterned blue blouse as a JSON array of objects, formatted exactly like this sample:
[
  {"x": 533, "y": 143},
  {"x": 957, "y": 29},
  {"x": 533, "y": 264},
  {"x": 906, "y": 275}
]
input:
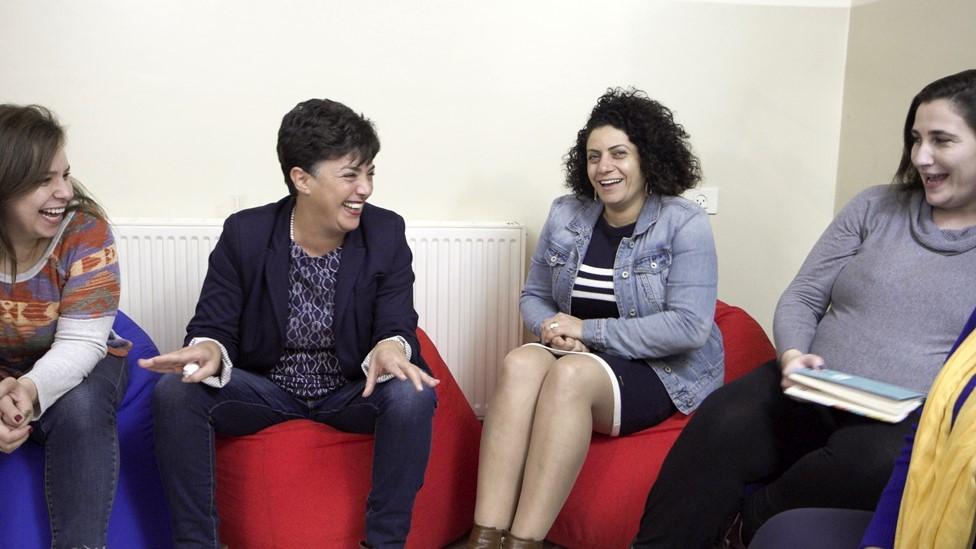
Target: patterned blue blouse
[{"x": 309, "y": 367}]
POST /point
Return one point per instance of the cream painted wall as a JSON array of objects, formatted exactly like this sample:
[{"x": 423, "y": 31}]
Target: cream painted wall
[
  {"x": 895, "y": 48},
  {"x": 173, "y": 106}
]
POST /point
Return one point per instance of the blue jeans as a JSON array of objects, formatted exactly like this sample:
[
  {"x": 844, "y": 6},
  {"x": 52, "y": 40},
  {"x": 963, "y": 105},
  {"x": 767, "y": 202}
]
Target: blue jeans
[
  {"x": 188, "y": 414},
  {"x": 81, "y": 456}
]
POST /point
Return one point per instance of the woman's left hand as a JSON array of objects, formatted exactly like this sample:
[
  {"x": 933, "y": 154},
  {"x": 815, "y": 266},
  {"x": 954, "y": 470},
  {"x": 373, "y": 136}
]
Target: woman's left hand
[
  {"x": 17, "y": 398},
  {"x": 388, "y": 358},
  {"x": 562, "y": 325}
]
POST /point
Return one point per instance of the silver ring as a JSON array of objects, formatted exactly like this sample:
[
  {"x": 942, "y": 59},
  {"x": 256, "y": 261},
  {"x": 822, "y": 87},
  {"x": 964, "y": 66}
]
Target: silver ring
[{"x": 553, "y": 325}]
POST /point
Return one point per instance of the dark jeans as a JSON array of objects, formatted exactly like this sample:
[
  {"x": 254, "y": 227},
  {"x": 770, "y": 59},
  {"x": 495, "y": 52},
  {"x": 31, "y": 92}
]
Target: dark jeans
[
  {"x": 813, "y": 529},
  {"x": 188, "y": 414},
  {"x": 748, "y": 432},
  {"x": 81, "y": 456}
]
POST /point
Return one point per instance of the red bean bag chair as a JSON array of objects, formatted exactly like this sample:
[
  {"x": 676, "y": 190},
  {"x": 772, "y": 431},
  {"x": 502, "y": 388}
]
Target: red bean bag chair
[
  {"x": 606, "y": 503},
  {"x": 304, "y": 484}
]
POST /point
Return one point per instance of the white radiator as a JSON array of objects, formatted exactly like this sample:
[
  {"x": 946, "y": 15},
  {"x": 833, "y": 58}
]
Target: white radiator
[{"x": 468, "y": 283}]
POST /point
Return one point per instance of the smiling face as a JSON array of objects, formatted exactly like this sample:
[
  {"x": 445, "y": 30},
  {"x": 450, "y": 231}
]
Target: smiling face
[
  {"x": 944, "y": 153},
  {"x": 613, "y": 166},
  {"x": 36, "y": 215},
  {"x": 335, "y": 193}
]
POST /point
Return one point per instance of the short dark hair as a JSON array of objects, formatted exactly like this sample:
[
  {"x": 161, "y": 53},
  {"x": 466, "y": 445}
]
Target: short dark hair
[
  {"x": 321, "y": 129},
  {"x": 30, "y": 137},
  {"x": 960, "y": 90},
  {"x": 666, "y": 161}
]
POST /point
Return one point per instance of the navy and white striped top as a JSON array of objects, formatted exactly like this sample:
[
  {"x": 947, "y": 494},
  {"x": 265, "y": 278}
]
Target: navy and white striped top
[{"x": 593, "y": 295}]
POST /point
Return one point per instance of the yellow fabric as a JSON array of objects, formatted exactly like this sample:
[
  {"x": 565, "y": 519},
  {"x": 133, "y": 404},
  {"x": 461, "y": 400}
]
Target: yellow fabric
[{"x": 938, "y": 505}]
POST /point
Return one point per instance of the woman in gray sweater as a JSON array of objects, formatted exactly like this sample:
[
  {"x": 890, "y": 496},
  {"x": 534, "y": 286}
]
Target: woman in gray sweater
[{"x": 880, "y": 295}]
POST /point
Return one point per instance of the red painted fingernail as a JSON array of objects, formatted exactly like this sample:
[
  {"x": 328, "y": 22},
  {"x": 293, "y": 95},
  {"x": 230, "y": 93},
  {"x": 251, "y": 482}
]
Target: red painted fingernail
[{"x": 18, "y": 418}]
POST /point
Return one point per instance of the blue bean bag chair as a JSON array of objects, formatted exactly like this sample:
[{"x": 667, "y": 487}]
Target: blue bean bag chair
[{"x": 140, "y": 518}]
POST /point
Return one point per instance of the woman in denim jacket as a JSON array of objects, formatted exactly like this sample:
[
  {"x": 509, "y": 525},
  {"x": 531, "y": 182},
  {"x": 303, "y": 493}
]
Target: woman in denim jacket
[{"x": 621, "y": 292}]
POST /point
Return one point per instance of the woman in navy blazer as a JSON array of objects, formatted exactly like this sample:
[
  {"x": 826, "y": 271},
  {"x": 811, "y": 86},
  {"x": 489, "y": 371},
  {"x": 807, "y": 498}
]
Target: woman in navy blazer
[{"x": 306, "y": 312}]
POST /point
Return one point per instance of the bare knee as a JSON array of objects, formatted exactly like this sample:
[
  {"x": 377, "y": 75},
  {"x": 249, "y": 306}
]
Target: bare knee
[
  {"x": 525, "y": 365},
  {"x": 576, "y": 379},
  {"x": 520, "y": 379}
]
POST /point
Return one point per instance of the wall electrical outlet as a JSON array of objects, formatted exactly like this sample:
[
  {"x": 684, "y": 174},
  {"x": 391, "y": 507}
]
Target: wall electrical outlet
[{"x": 706, "y": 197}]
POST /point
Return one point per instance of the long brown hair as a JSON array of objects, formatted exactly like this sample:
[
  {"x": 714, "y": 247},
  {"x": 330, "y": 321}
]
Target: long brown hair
[{"x": 30, "y": 137}]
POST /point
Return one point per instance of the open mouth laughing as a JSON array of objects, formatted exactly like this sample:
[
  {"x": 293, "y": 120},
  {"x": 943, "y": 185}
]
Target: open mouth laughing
[
  {"x": 52, "y": 213},
  {"x": 354, "y": 207}
]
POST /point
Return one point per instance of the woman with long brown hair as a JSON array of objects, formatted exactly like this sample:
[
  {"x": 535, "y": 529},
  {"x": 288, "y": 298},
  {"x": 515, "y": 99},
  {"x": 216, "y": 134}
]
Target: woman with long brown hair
[{"x": 59, "y": 291}]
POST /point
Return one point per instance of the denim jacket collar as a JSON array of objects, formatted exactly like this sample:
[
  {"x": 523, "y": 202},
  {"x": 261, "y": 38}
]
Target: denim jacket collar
[{"x": 587, "y": 217}]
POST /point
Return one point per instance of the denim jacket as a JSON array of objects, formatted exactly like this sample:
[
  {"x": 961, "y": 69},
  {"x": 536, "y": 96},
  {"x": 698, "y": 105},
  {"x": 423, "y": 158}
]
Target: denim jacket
[{"x": 664, "y": 279}]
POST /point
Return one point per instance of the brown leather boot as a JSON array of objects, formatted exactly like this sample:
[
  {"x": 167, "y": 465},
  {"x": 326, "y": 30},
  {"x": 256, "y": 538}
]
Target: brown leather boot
[
  {"x": 484, "y": 537},
  {"x": 513, "y": 542}
]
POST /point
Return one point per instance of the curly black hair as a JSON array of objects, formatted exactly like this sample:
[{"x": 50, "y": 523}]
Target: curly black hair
[
  {"x": 321, "y": 129},
  {"x": 666, "y": 160},
  {"x": 960, "y": 90}
]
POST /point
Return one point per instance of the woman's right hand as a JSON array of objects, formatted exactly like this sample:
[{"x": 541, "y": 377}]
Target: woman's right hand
[
  {"x": 793, "y": 360},
  {"x": 205, "y": 354}
]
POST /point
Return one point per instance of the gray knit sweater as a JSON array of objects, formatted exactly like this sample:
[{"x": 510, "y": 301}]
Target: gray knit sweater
[{"x": 883, "y": 293}]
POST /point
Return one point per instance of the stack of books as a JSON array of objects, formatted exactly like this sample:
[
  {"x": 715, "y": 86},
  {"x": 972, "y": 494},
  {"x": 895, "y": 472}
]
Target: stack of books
[{"x": 856, "y": 394}]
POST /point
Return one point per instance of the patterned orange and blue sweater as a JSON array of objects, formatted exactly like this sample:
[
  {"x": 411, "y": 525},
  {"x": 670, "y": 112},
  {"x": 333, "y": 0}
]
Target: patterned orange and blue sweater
[{"x": 56, "y": 319}]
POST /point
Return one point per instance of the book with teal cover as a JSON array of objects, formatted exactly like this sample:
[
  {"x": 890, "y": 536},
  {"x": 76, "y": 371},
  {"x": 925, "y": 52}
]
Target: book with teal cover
[
  {"x": 880, "y": 388},
  {"x": 868, "y": 397}
]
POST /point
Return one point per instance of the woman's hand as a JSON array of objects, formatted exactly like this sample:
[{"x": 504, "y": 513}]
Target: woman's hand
[
  {"x": 16, "y": 409},
  {"x": 561, "y": 325},
  {"x": 568, "y": 344},
  {"x": 205, "y": 354},
  {"x": 17, "y": 399},
  {"x": 12, "y": 438},
  {"x": 388, "y": 358},
  {"x": 793, "y": 360}
]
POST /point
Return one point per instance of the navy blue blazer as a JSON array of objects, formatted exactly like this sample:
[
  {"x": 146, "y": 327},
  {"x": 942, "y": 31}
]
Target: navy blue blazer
[{"x": 244, "y": 300}]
